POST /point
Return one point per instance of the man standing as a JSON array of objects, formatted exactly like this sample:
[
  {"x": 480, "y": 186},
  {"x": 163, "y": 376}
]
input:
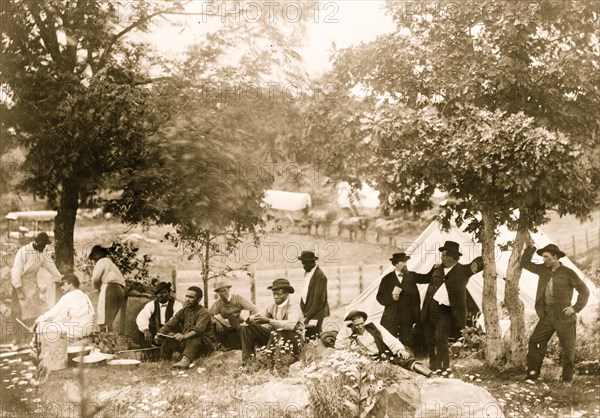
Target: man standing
[
  {"x": 73, "y": 313},
  {"x": 399, "y": 294},
  {"x": 445, "y": 302},
  {"x": 190, "y": 330},
  {"x": 283, "y": 319},
  {"x": 376, "y": 342},
  {"x": 156, "y": 313},
  {"x": 226, "y": 313},
  {"x": 26, "y": 302},
  {"x": 553, "y": 306},
  {"x": 314, "y": 293}
]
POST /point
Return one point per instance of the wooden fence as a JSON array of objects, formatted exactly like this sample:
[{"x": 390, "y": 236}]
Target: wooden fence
[
  {"x": 583, "y": 248},
  {"x": 343, "y": 285}
]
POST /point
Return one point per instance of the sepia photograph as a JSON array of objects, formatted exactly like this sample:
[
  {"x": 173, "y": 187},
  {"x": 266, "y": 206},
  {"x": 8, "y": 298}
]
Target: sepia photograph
[{"x": 300, "y": 208}]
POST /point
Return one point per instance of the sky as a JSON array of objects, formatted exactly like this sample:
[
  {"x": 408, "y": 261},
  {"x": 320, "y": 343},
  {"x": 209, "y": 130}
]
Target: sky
[{"x": 345, "y": 22}]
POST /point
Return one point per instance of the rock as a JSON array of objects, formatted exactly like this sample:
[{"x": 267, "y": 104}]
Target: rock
[
  {"x": 289, "y": 394},
  {"x": 399, "y": 400},
  {"x": 455, "y": 398}
]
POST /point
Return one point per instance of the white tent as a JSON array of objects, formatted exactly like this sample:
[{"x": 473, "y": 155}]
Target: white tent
[{"x": 424, "y": 253}]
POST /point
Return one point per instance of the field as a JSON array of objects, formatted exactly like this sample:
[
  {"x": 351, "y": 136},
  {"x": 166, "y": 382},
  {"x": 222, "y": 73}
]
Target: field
[{"x": 219, "y": 387}]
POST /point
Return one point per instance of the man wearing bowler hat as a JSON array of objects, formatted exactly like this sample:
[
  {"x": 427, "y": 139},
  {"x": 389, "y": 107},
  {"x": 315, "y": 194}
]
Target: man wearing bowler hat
[
  {"x": 314, "y": 293},
  {"x": 282, "y": 319},
  {"x": 399, "y": 294},
  {"x": 156, "y": 313},
  {"x": 27, "y": 304},
  {"x": 226, "y": 315},
  {"x": 445, "y": 302},
  {"x": 553, "y": 306}
]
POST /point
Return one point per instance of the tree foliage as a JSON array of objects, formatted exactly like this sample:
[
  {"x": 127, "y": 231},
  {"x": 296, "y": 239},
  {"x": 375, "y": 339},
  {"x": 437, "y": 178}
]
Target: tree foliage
[{"x": 496, "y": 105}]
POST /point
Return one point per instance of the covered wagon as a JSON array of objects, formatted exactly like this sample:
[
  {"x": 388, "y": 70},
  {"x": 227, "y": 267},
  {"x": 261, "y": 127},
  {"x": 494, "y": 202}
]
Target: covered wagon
[{"x": 285, "y": 210}]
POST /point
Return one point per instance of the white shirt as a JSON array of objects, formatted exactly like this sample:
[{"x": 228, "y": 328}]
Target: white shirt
[
  {"x": 307, "y": 276},
  {"x": 441, "y": 295},
  {"x": 105, "y": 271},
  {"x": 28, "y": 262},
  {"x": 74, "y": 311},
  {"x": 399, "y": 276},
  {"x": 279, "y": 310},
  {"x": 143, "y": 319}
]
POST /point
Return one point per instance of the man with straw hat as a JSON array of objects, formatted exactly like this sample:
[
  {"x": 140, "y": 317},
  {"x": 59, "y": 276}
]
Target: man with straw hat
[
  {"x": 281, "y": 325},
  {"x": 226, "y": 315}
]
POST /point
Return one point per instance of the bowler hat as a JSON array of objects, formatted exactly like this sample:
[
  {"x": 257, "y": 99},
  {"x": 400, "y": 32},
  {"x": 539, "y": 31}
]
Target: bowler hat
[
  {"x": 307, "y": 256},
  {"x": 452, "y": 247},
  {"x": 162, "y": 286},
  {"x": 220, "y": 284},
  {"x": 98, "y": 250},
  {"x": 354, "y": 314},
  {"x": 42, "y": 238},
  {"x": 396, "y": 257},
  {"x": 281, "y": 284},
  {"x": 551, "y": 248}
]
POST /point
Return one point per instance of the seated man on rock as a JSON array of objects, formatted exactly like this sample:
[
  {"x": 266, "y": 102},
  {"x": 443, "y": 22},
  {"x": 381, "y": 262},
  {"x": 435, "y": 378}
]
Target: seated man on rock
[
  {"x": 189, "y": 331},
  {"x": 226, "y": 314},
  {"x": 73, "y": 313},
  {"x": 282, "y": 320},
  {"x": 156, "y": 313},
  {"x": 376, "y": 342}
]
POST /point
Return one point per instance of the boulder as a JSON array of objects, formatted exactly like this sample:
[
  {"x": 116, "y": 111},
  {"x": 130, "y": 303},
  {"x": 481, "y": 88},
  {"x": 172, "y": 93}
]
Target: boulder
[{"x": 455, "y": 398}]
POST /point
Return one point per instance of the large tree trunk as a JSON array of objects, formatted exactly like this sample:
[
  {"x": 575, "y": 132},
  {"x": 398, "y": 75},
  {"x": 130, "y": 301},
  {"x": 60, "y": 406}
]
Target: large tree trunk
[
  {"x": 518, "y": 345},
  {"x": 493, "y": 346},
  {"x": 64, "y": 225}
]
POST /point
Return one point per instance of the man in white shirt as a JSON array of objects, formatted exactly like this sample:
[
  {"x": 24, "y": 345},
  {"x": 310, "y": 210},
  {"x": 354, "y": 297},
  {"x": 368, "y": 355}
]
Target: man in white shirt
[
  {"x": 26, "y": 301},
  {"x": 445, "y": 302},
  {"x": 313, "y": 300},
  {"x": 156, "y": 313},
  {"x": 282, "y": 320},
  {"x": 72, "y": 314},
  {"x": 375, "y": 341}
]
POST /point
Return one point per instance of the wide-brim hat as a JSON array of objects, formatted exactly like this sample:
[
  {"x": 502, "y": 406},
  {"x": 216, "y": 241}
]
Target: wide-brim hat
[
  {"x": 162, "y": 286},
  {"x": 98, "y": 250},
  {"x": 354, "y": 314},
  {"x": 42, "y": 238},
  {"x": 551, "y": 248},
  {"x": 396, "y": 257},
  {"x": 281, "y": 284},
  {"x": 452, "y": 247},
  {"x": 221, "y": 284},
  {"x": 308, "y": 256}
]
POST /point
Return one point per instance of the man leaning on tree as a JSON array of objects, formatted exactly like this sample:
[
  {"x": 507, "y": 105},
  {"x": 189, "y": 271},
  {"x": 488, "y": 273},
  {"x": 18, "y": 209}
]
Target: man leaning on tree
[{"x": 553, "y": 306}]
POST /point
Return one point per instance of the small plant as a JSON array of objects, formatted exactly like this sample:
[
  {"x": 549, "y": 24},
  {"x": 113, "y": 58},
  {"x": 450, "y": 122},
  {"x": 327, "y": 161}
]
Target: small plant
[{"x": 470, "y": 344}]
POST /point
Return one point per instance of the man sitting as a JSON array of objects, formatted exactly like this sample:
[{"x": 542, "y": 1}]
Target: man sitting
[
  {"x": 226, "y": 313},
  {"x": 73, "y": 313},
  {"x": 376, "y": 342},
  {"x": 156, "y": 313},
  {"x": 189, "y": 331},
  {"x": 282, "y": 320}
]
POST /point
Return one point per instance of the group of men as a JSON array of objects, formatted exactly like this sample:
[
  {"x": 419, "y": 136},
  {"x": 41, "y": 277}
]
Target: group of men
[
  {"x": 186, "y": 331},
  {"x": 444, "y": 306}
]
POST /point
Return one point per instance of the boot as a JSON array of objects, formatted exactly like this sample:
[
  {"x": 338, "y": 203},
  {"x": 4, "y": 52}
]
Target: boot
[
  {"x": 184, "y": 363},
  {"x": 420, "y": 368}
]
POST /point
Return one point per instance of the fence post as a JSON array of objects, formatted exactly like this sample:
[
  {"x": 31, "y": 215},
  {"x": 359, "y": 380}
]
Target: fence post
[
  {"x": 361, "y": 284},
  {"x": 252, "y": 286},
  {"x": 339, "y": 280},
  {"x": 574, "y": 249},
  {"x": 587, "y": 241},
  {"x": 174, "y": 277},
  {"x": 381, "y": 269}
]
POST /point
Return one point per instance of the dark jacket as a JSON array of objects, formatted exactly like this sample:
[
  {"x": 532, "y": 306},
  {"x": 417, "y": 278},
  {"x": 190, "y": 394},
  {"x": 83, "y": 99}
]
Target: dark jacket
[
  {"x": 372, "y": 329},
  {"x": 407, "y": 307},
  {"x": 563, "y": 283},
  {"x": 316, "y": 305},
  {"x": 155, "y": 323},
  {"x": 456, "y": 284}
]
